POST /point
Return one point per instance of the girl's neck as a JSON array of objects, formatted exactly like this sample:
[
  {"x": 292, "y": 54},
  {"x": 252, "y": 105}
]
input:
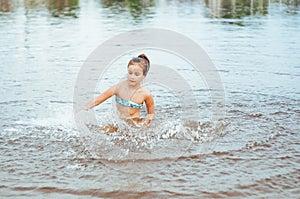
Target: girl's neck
[{"x": 133, "y": 87}]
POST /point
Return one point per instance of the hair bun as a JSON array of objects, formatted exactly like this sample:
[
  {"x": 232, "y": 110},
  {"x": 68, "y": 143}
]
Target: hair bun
[{"x": 143, "y": 56}]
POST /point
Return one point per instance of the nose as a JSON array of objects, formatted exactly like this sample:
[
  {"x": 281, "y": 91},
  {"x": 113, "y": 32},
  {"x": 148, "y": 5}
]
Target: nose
[{"x": 131, "y": 77}]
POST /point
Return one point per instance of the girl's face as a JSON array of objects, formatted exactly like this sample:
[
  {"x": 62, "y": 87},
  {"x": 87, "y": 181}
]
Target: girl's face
[{"x": 135, "y": 75}]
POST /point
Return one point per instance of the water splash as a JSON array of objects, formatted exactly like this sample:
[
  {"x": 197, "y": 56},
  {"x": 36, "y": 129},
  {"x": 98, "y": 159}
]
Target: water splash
[
  {"x": 111, "y": 138},
  {"x": 115, "y": 139},
  {"x": 58, "y": 118}
]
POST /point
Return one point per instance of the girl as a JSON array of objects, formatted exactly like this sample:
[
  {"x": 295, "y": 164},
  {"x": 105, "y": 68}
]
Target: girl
[{"x": 129, "y": 94}]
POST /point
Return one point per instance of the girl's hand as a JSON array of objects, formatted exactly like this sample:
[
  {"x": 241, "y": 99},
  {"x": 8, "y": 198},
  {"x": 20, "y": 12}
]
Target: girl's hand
[
  {"x": 147, "y": 122},
  {"x": 149, "y": 119},
  {"x": 81, "y": 109}
]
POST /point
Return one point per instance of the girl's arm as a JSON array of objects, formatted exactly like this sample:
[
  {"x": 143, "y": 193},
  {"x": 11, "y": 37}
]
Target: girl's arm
[
  {"x": 101, "y": 98},
  {"x": 150, "y": 109}
]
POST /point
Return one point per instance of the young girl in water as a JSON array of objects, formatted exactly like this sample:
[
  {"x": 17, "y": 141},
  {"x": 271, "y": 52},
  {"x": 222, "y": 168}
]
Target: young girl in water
[{"x": 129, "y": 94}]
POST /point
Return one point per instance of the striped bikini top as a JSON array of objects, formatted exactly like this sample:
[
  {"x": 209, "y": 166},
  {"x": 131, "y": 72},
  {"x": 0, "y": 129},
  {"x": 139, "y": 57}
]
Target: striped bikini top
[{"x": 128, "y": 103}]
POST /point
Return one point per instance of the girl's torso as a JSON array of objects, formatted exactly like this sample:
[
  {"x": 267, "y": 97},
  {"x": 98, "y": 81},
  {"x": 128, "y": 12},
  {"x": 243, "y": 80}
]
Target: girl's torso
[{"x": 133, "y": 97}]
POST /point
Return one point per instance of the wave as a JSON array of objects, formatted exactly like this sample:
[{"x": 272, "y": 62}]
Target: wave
[
  {"x": 165, "y": 140},
  {"x": 129, "y": 191}
]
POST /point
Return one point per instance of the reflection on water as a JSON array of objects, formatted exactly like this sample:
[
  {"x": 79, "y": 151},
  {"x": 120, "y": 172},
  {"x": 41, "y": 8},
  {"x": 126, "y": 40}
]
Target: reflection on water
[
  {"x": 5, "y": 6},
  {"x": 57, "y": 8},
  {"x": 136, "y": 8},
  {"x": 60, "y": 8},
  {"x": 235, "y": 9},
  {"x": 228, "y": 9},
  {"x": 33, "y": 4}
]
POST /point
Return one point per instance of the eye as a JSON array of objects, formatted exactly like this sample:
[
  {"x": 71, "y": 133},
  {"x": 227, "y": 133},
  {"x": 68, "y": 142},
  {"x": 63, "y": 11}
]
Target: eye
[{"x": 137, "y": 74}]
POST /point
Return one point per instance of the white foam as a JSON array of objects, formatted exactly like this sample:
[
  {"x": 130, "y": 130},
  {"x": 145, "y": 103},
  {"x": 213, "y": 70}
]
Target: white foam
[{"x": 58, "y": 117}]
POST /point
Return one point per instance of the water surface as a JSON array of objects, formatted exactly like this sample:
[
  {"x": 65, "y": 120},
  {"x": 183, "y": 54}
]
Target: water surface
[{"x": 253, "y": 152}]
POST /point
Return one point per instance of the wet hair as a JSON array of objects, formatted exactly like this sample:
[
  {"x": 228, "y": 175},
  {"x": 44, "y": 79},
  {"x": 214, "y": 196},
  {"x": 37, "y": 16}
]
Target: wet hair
[{"x": 142, "y": 61}]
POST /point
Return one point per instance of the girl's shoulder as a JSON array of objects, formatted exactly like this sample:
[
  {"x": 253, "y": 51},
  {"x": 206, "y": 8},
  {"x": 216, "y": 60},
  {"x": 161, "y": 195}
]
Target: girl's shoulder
[
  {"x": 119, "y": 86},
  {"x": 145, "y": 91}
]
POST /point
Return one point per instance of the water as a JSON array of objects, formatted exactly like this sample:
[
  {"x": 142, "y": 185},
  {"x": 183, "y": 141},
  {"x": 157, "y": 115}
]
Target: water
[{"x": 253, "y": 152}]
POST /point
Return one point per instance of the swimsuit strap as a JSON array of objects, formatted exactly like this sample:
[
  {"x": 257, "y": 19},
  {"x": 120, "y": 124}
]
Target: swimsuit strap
[{"x": 128, "y": 103}]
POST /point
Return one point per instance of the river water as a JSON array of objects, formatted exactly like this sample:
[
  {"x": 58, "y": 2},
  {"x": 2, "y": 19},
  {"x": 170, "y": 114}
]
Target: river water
[{"x": 253, "y": 152}]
